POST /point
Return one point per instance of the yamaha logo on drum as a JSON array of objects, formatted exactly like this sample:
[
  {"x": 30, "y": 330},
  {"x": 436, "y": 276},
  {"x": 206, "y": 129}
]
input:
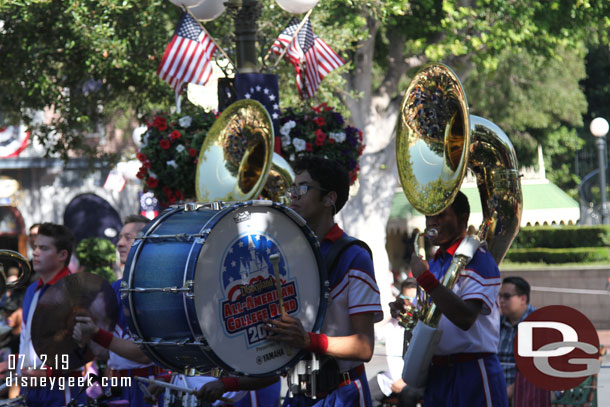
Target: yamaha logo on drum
[{"x": 251, "y": 293}]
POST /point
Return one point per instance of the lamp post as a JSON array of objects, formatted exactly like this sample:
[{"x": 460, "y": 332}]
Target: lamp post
[
  {"x": 245, "y": 14},
  {"x": 599, "y": 129}
]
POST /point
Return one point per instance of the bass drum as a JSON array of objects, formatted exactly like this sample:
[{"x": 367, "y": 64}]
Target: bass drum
[{"x": 198, "y": 283}]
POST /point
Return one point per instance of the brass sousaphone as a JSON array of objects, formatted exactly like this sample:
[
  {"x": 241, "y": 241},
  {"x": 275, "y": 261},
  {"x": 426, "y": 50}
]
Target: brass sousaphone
[
  {"x": 237, "y": 162},
  {"x": 436, "y": 141}
]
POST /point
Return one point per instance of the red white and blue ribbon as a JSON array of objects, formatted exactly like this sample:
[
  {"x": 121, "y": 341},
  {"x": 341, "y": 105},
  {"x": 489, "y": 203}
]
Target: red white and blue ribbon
[{"x": 13, "y": 140}]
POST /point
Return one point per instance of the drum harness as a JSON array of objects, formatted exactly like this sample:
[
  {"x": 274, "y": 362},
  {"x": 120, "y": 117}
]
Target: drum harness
[{"x": 313, "y": 376}]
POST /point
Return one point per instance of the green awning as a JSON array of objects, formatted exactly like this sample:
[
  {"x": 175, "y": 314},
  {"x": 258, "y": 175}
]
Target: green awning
[{"x": 537, "y": 196}]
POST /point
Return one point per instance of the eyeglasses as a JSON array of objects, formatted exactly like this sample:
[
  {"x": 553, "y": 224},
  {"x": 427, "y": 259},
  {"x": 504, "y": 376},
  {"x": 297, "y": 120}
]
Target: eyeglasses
[
  {"x": 298, "y": 191},
  {"x": 127, "y": 236},
  {"x": 506, "y": 296},
  {"x": 406, "y": 297}
]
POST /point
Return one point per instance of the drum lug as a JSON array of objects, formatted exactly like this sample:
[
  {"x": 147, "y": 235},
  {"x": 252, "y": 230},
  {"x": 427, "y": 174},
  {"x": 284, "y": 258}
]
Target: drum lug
[
  {"x": 190, "y": 284},
  {"x": 190, "y": 206},
  {"x": 124, "y": 291}
]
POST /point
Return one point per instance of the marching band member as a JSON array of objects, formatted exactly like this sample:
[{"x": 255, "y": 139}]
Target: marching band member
[
  {"x": 321, "y": 189},
  {"x": 125, "y": 358},
  {"x": 465, "y": 370},
  {"x": 52, "y": 251}
]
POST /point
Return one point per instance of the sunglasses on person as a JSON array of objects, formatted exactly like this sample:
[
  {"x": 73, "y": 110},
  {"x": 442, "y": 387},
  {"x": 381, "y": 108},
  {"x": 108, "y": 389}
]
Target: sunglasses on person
[
  {"x": 298, "y": 191},
  {"x": 506, "y": 296}
]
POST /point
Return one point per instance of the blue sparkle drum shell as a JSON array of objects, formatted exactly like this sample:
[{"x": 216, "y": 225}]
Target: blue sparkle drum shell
[{"x": 198, "y": 284}]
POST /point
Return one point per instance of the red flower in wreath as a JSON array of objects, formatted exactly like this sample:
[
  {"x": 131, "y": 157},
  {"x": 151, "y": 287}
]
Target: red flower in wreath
[
  {"x": 320, "y": 137},
  {"x": 160, "y": 123},
  {"x": 308, "y": 147},
  {"x": 164, "y": 144},
  {"x": 319, "y": 120},
  {"x": 322, "y": 106},
  {"x": 192, "y": 152},
  {"x": 175, "y": 135},
  {"x": 152, "y": 182},
  {"x": 141, "y": 157},
  {"x": 141, "y": 173}
]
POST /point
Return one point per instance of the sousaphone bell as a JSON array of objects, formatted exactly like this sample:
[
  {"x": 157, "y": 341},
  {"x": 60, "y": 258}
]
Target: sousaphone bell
[
  {"x": 237, "y": 162},
  {"x": 436, "y": 141}
]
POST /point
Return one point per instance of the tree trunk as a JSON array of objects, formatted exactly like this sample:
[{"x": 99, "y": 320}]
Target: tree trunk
[{"x": 375, "y": 112}]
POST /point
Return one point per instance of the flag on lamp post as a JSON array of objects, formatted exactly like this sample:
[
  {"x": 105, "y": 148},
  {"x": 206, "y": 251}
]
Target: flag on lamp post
[
  {"x": 312, "y": 58},
  {"x": 188, "y": 57},
  {"x": 263, "y": 88}
]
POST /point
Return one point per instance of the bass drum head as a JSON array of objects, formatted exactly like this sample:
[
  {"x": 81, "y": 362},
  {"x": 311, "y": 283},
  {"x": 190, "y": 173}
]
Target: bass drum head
[{"x": 235, "y": 286}]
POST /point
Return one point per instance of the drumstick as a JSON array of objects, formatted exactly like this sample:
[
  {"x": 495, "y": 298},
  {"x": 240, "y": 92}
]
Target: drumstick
[
  {"x": 178, "y": 388},
  {"x": 275, "y": 260}
]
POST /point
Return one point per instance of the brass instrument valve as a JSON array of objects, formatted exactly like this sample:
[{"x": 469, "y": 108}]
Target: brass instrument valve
[{"x": 409, "y": 318}]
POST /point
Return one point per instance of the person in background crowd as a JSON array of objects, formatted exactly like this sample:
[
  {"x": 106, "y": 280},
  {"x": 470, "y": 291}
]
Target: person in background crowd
[
  {"x": 389, "y": 384},
  {"x": 514, "y": 298},
  {"x": 125, "y": 357},
  {"x": 32, "y": 235},
  {"x": 11, "y": 309}
]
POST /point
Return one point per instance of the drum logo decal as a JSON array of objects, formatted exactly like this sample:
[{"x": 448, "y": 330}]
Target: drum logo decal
[{"x": 250, "y": 291}]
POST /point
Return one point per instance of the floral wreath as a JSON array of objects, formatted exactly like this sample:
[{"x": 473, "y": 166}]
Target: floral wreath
[
  {"x": 321, "y": 131},
  {"x": 170, "y": 147},
  {"x": 169, "y": 153}
]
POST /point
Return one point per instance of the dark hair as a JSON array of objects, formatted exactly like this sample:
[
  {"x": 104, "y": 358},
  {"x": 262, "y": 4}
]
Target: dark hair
[
  {"x": 461, "y": 207},
  {"x": 331, "y": 176},
  {"x": 62, "y": 237},
  {"x": 12, "y": 303},
  {"x": 408, "y": 283},
  {"x": 135, "y": 219},
  {"x": 522, "y": 287}
]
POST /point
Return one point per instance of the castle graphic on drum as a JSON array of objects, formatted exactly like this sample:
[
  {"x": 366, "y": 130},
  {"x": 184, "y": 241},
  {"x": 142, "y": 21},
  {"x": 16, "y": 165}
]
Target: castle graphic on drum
[{"x": 250, "y": 287}]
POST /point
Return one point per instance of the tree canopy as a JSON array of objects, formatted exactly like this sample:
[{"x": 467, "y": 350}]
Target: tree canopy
[
  {"x": 89, "y": 64},
  {"x": 93, "y": 62}
]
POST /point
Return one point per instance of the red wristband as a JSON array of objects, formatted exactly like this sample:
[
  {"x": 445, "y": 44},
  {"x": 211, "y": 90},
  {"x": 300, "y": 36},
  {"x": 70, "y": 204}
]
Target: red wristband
[
  {"x": 103, "y": 338},
  {"x": 230, "y": 383},
  {"x": 319, "y": 343},
  {"x": 427, "y": 281}
]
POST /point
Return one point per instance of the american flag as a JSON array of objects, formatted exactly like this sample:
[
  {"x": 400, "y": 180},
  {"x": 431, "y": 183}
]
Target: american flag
[
  {"x": 312, "y": 58},
  {"x": 187, "y": 58}
]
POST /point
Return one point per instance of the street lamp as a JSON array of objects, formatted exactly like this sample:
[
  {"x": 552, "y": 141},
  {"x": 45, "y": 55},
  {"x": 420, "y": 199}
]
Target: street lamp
[
  {"x": 245, "y": 14},
  {"x": 599, "y": 128}
]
